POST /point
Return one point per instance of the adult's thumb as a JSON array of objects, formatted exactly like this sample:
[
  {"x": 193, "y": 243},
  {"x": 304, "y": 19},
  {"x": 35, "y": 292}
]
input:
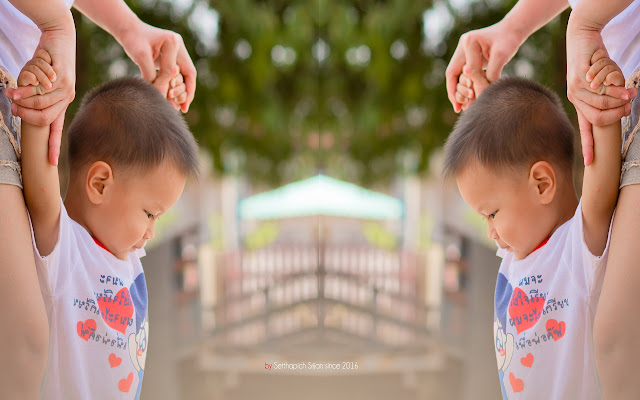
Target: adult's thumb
[
  {"x": 478, "y": 78},
  {"x": 55, "y": 138}
]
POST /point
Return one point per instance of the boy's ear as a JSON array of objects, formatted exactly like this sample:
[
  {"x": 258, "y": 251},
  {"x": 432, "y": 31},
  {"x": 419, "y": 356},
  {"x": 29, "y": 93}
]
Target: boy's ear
[
  {"x": 99, "y": 181},
  {"x": 542, "y": 181}
]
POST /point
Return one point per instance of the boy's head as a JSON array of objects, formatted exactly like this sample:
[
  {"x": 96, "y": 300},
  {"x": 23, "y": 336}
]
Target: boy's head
[
  {"x": 130, "y": 154},
  {"x": 511, "y": 154}
]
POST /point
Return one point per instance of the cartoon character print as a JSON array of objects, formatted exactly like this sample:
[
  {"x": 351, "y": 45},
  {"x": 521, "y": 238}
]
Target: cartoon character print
[
  {"x": 504, "y": 342},
  {"x": 138, "y": 341}
]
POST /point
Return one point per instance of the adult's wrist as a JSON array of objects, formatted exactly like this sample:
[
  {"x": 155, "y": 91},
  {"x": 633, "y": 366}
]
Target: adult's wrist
[
  {"x": 61, "y": 20},
  {"x": 583, "y": 20},
  {"x": 519, "y": 28},
  {"x": 126, "y": 28}
]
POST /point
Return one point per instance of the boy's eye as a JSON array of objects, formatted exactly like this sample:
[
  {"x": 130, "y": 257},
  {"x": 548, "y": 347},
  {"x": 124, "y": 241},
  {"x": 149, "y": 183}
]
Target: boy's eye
[
  {"x": 149, "y": 215},
  {"x": 492, "y": 215}
]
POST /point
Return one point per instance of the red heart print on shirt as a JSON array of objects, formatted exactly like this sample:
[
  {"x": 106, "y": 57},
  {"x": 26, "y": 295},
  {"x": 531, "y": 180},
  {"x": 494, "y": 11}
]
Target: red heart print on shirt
[
  {"x": 117, "y": 311},
  {"x": 525, "y": 311},
  {"x": 125, "y": 384},
  {"x": 556, "y": 329},
  {"x": 114, "y": 360},
  {"x": 86, "y": 328},
  {"x": 516, "y": 384},
  {"x": 527, "y": 360}
]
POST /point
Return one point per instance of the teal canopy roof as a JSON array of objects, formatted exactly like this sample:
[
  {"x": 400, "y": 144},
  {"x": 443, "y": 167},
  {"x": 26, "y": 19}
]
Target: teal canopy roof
[{"x": 320, "y": 195}]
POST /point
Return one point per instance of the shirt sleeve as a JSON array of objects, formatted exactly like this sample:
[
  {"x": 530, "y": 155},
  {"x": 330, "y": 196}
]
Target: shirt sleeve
[
  {"x": 590, "y": 267},
  {"x": 54, "y": 270}
]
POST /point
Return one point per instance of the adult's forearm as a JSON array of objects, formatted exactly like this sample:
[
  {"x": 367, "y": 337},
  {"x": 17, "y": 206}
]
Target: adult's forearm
[
  {"x": 527, "y": 16},
  {"x": 47, "y": 15},
  {"x": 595, "y": 14},
  {"x": 114, "y": 16}
]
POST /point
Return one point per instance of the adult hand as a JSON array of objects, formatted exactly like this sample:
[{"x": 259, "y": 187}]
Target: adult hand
[
  {"x": 583, "y": 40},
  {"x": 150, "y": 47},
  {"x": 494, "y": 46},
  {"x": 50, "y": 108}
]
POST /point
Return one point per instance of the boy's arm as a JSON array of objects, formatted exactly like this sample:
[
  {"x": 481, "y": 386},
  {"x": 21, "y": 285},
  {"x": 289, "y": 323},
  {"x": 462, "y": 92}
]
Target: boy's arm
[
  {"x": 602, "y": 176},
  {"x": 39, "y": 177}
]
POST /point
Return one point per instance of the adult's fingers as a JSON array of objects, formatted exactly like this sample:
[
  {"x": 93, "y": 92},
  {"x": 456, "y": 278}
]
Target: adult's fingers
[
  {"x": 38, "y": 117},
  {"x": 496, "y": 62},
  {"x": 454, "y": 69},
  {"x": 188, "y": 70},
  {"x": 23, "y": 92},
  {"x": 603, "y": 102},
  {"x": 480, "y": 81},
  {"x": 168, "y": 59},
  {"x": 55, "y": 138},
  {"x": 144, "y": 60},
  {"x": 586, "y": 138},
  {"x": 600, "y": 117},
  {"x": 42, "y": 101},
  {"x": 473, "y": 55}
]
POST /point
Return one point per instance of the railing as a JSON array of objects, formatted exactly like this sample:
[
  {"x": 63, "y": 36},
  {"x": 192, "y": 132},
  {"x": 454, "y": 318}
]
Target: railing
[{"x": 274, "y": 294}]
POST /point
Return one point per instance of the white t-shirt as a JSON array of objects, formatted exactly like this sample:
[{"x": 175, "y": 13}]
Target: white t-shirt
[
  {"x": 98, "y": 321},
  {"x": 19, "y": 37},
  {"x": 544, "y": 310},
  {"x": 621, "y": 37}
]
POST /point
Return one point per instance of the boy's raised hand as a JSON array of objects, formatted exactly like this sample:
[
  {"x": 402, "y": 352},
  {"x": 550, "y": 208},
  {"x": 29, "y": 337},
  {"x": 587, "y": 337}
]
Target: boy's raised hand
[
  {"x": 38, "y": 75},
  {"x": 171, "y": 85},
  {"x": 464, "y": 91},
  {"x": 469, "y": 86},
  {"x": 39, "y": 176},
  {"x": 177, "y": 94},
  {"x": 604, "y": 73}
]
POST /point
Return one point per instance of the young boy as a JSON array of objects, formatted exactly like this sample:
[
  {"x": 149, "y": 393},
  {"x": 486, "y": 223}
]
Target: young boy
[
  {"x": 130, "y": 154},
  {"x": 512, "y": 155}
]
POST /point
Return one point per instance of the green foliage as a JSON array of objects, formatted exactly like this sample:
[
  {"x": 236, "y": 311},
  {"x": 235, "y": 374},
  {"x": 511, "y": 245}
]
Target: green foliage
[{"x": 287, "y": 88}]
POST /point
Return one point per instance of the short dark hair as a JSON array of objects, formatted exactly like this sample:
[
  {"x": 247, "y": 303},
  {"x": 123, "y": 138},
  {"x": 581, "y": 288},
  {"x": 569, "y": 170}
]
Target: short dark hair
[
  {"x": 128, "y": 124},
  {"x": 512, "y": 125}
]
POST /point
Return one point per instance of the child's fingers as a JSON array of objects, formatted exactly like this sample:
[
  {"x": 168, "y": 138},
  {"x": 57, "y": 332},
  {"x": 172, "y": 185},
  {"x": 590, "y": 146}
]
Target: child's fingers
[
  {"x": 39, "y": 73},
  {"x": 615, "y": 79},
  {"x": 598, "y": 55},
  {"x": 465, "y": 80},
  {"x": 182, "y": 98},
  {"x": 43, "y": 60},
  {"x": 43, "y": 55},
  {"x": 177, "y": 80},
  {"x": 177, "y": 91},
  {"x": 464, "y": 90},
  {"x": 26, "y": 78},
  {"x": 596, "y": 67},
  {"x": 602, "y": 75},
  {"x": 460, "y": 98},
  {"x": 174, "y": 105}
]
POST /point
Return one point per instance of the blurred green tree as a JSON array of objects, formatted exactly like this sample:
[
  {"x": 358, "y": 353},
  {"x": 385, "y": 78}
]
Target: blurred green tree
[{"x": 352, "y": 88}]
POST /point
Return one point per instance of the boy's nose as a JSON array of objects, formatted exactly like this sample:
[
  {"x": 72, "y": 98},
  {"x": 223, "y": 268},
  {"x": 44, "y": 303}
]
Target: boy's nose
[
  {"x": 151, "y": 232},
  {"x": 491, "y": 232}
]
